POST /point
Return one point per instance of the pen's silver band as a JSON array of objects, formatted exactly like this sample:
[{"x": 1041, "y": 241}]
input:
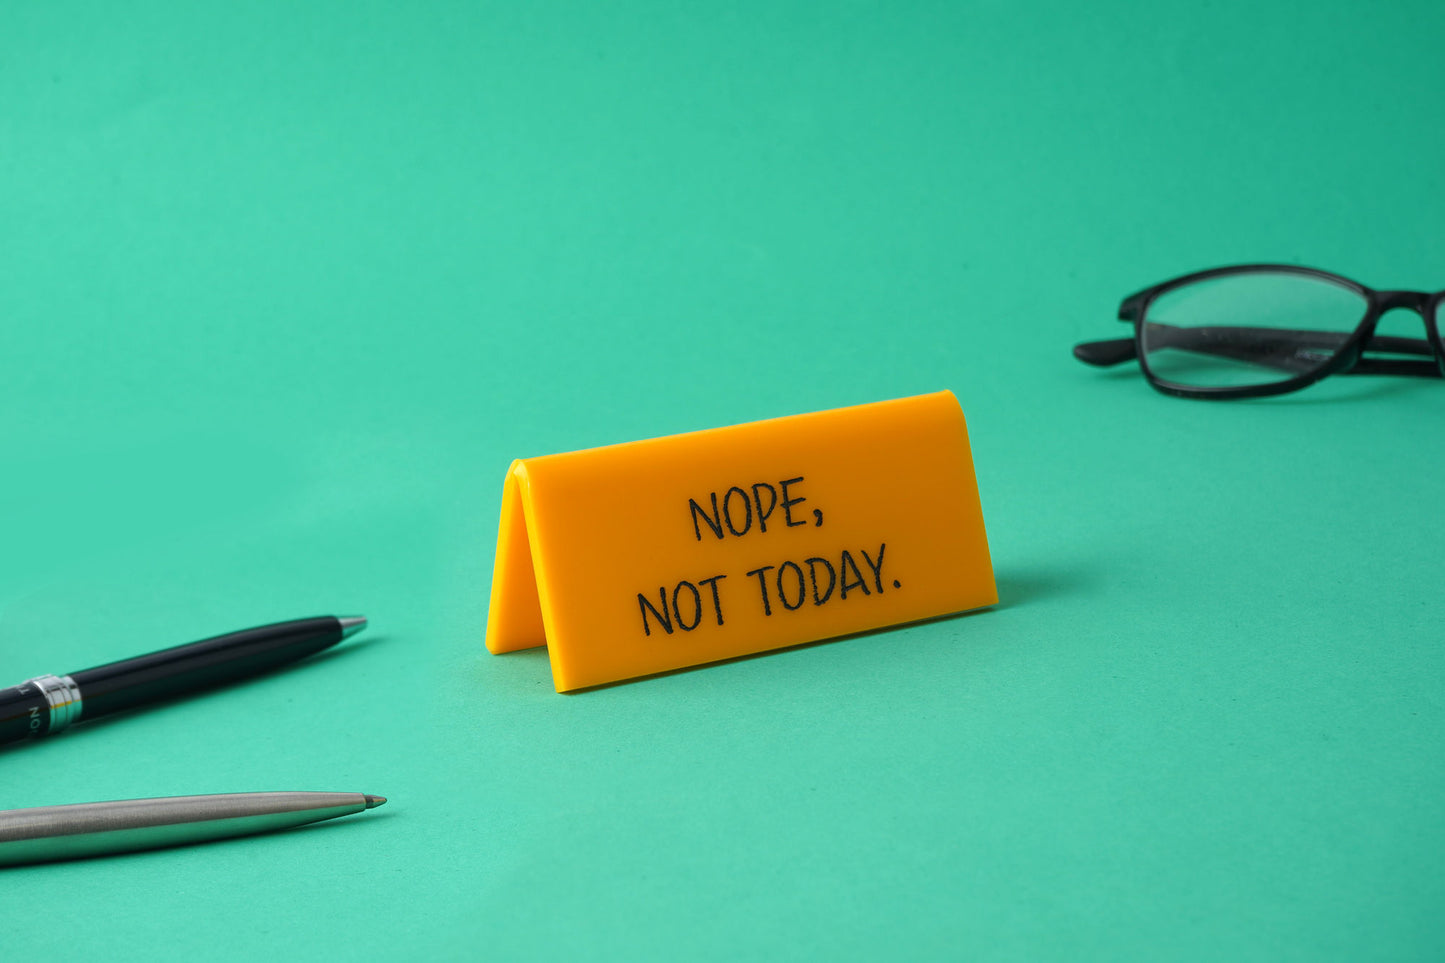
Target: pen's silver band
[{"x": 64, "y": 697}]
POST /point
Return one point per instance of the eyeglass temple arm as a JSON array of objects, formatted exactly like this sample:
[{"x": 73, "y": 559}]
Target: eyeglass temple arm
[
  {"x": 1106, "y": 354},
  {"x": 1261, "y": 346},
  {"x": 1394, "y": 366},
  {"x": 1277, "y": 348}
]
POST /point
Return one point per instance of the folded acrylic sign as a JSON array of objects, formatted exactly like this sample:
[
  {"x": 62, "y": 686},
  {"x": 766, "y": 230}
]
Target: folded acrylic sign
[{"x": 655, "y": 555}]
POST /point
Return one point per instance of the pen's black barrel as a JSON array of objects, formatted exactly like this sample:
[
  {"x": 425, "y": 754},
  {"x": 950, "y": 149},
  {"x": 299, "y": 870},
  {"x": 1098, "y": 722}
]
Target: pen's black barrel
[
  {"x": 201, "y": 665},
  {"x": 25, "y": 710}
]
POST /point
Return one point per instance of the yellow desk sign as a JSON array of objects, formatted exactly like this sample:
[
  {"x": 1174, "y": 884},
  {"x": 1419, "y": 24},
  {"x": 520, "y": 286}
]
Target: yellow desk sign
[{"x": 655, "y": 555}]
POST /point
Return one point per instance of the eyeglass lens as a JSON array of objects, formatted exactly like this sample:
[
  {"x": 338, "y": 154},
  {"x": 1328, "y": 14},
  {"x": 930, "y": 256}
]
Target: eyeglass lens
[{"x": 1239, "y": 330}]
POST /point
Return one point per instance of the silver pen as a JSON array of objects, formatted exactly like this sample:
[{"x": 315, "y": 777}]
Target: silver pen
[{"x": 48, "y": 833}]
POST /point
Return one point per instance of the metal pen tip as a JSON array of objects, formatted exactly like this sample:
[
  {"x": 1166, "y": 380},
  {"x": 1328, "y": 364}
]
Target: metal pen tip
[
  {"x": 351, "y": 624},
  {"x": 373, "y": 801}
]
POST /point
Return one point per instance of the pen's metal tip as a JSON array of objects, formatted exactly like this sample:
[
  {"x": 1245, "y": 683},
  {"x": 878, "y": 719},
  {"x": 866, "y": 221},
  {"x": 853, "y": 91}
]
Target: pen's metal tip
[
  {"x": 373, "y": 801},
  {"x": 351, "y": 624}
]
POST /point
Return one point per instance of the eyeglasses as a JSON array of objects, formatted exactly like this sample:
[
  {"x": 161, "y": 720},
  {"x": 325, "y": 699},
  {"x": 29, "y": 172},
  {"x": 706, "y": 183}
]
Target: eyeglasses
[{"x": 1264, "y": 329}]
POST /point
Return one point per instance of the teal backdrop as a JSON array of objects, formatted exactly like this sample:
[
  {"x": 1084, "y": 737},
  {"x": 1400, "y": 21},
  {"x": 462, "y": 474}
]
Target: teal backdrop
[{"x": 284, "y": 287}]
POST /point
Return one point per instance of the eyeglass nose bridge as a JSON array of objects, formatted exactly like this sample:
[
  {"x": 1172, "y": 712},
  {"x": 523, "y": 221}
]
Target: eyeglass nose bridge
[
  {"x": 1415, "y": 301},
  {"x": 1356, "y": 361}
]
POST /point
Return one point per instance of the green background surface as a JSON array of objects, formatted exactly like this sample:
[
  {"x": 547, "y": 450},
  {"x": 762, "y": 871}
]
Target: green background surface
[{"x": 285, "y": 287}]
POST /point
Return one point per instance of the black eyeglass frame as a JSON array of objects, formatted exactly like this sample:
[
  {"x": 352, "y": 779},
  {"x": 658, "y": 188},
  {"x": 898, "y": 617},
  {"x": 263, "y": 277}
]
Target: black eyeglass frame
[{"x": 1348, "y": 358}]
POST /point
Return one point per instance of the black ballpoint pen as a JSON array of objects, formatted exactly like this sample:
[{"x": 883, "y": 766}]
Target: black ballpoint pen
[{"x": 47, "y": 704}]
